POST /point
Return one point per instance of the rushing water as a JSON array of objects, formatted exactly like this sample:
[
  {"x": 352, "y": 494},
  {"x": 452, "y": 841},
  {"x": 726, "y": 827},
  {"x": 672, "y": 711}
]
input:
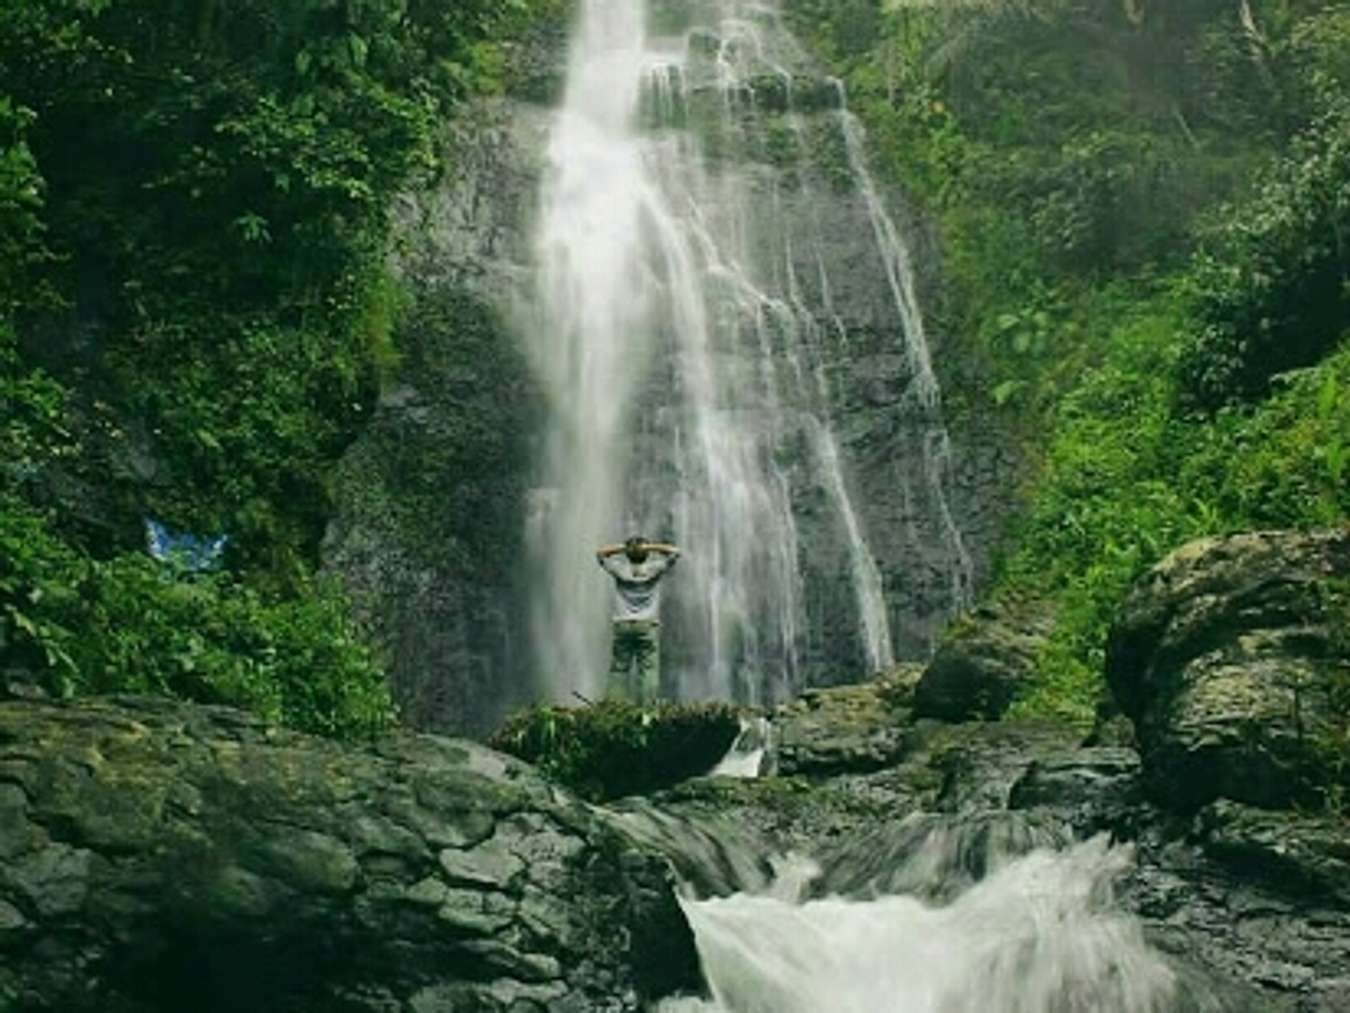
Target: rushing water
[
  {"x": 1039, "y": 934},
  {"x": 683, "y": 354}
]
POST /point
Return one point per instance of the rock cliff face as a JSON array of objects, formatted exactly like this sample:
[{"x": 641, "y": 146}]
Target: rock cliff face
[
  {"x": 463, "y": 627},
  {"x": 432, "y": 498},
  {"x": 159, "y": 857}
]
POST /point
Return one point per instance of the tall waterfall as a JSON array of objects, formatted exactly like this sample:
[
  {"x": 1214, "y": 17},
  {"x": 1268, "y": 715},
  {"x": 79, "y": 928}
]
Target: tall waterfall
[{"x": 684, "y": 326}]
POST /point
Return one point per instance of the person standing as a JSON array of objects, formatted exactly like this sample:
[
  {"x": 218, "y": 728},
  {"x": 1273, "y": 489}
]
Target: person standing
[{"x": 637, "y": 567}]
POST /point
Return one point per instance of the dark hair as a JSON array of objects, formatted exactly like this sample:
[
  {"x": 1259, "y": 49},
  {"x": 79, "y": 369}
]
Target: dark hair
[{"x": 635, "y": 542}]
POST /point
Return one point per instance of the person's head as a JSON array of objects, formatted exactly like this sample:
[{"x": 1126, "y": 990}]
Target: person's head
[{"x": 635, "y": 548}]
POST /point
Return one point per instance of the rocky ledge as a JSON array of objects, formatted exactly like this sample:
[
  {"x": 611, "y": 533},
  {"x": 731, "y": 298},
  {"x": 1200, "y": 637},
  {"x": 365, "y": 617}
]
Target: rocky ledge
[
  {"x": 158, "y": 857},
  {"x": 162, "y": 857},
  {"x": 1231, "y": 660}
]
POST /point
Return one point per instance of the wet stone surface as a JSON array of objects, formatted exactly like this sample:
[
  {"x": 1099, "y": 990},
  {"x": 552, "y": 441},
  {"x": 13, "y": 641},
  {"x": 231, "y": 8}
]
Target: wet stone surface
[{"x": 157, "y": 856}]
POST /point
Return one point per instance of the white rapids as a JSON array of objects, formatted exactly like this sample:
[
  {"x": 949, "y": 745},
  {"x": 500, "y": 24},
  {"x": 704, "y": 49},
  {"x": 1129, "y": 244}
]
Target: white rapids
[{"x": 1038, "y": 935}]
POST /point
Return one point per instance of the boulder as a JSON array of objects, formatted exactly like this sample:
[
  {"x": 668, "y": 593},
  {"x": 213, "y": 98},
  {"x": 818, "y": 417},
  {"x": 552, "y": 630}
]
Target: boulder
[
  {"x": 1231, "y": 658},
  {"x": 156, "y": 856},
  {"x": 983, "y": 662},
  {"x": 844, "y": 728},
  {"x": 1251, "y": 896}
]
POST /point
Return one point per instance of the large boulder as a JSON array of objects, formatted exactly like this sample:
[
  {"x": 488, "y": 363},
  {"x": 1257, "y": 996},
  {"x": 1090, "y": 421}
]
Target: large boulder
[
  {"x": 1231, "y": 658},
  {"x": 160, "y": 857},
  {"x": 983, "y": 662},
  {"x": 844, "y": 728}
]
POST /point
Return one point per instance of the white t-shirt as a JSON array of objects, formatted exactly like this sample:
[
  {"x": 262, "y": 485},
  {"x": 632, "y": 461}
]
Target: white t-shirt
[{"x": 637, "y": 595}]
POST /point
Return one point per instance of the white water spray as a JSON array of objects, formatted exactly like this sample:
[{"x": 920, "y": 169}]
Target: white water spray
[
  {"x": 1039, "y": 935},
  {"x": 594, "y": 335}
]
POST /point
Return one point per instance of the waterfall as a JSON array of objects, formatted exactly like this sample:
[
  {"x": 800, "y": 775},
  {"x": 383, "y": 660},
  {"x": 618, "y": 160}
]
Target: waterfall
[
  {"x": 1037, "y": 935},
  {"x": 594, "y": 341},
  {"x": 684, "y": 329},
  {"x": 935, "y": 450}
]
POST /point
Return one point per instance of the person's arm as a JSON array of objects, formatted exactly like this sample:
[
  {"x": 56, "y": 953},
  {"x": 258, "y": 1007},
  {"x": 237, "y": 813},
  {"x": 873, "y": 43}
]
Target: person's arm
[
  {"x": 605, "y": 551},
  {"x": 669, "y": 550}
]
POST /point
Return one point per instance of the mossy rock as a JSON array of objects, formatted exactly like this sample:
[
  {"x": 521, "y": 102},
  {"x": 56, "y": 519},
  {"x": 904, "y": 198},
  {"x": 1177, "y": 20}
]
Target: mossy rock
[
  {"x": 159, "y": 856},
  {"x": 986, "y": 660},
  {"x": 1231, "y": 658},
  {"x": 612, "y": 749}
]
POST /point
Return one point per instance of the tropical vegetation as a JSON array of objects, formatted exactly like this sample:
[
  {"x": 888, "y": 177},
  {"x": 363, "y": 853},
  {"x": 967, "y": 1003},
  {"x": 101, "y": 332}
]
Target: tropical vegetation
[
  {"x": 196, "y": 316},
  {"x": 1144, "y": 211}
]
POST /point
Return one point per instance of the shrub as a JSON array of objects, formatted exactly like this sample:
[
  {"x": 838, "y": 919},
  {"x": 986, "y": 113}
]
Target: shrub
[
  {"x": 21, "y": 190},
  {"x": 1271, "y": 289},
  {"x": 72, "y": 624},
  {"x": 1126, "y": 481},
  {"x": 611, "y": 749}
]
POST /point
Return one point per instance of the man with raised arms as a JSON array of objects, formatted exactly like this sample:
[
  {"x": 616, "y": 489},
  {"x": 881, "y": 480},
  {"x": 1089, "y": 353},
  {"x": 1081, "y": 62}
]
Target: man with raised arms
[{"x": 637, "y": 567}]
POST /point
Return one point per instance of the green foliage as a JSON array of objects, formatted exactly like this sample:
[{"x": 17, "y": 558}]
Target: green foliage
[
  {"x": 32, "y": 424},
  {"x": 74, "y": 624},
  {"x": 21, "y": 189},
  {"x": 1127, "y": 480},
  {"x": 1272, "y": 288},
  {"x": 1061, "y": 143},
  {"x": 1064, "y": 153},
  {"x": 262, "y": 444},
  {"x": 217, "y": 183},
  {"x": 196, "y": 318},
  {"x": 611, "y": 749}
]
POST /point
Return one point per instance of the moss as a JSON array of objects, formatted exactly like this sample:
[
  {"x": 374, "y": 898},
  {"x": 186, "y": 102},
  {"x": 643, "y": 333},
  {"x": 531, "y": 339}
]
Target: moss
[
  {"x": 439, "y": 474},
  {"x": 779, "y": 143},
  {"x": 611, "y": 749}
]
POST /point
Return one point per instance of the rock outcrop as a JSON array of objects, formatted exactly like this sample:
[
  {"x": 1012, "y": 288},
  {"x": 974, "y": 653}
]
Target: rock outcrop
[
  {"x": 161, "y": 857},
  {"x": 845, "y": 728},
  {"x": 1245, "y": 902},
  {"x": 1233, "y": 660},
  {"x": 982, "y": 663}
]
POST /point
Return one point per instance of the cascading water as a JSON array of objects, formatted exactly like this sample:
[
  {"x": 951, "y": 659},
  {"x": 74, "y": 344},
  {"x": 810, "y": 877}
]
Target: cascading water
[
  {"x": 699, "y": 323},
  {"x": 1038, "y": 935},
  {"x": 684, "y": 321},
  {"x": 594, "y": 339}
]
